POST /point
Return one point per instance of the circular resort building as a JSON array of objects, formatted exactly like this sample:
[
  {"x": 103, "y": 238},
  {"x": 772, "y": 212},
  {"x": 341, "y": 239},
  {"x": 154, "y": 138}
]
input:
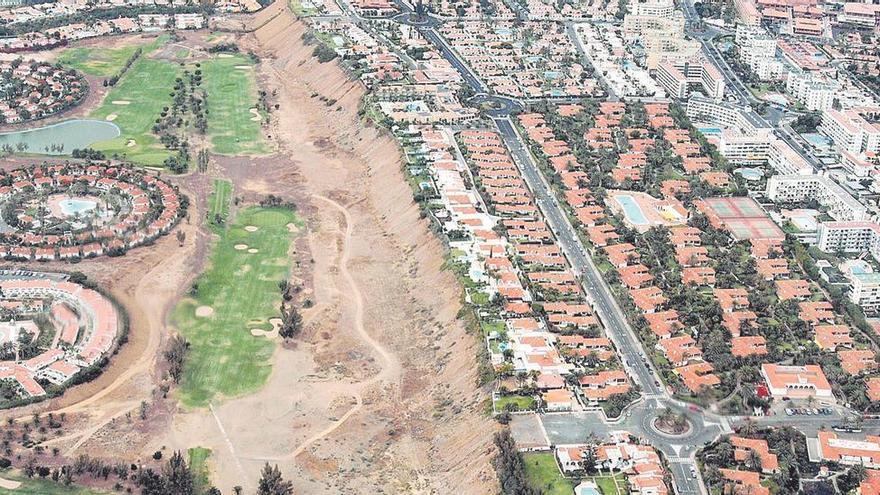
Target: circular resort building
[
  {"x": 53, "y": 332},
  {"x": 74, "y": 211},
  {"x": 31, "y": 90}
]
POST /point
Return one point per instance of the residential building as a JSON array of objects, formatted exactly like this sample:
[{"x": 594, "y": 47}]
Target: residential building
[
  {"x": 850, "y": 131},
  {"x": 814, "y": 92},
  {"x": 796, "y": 382},
  {"x": 847, "y": 451},
  {"x": 800, "y": 188},
  {"x": 679, "y": 77}
]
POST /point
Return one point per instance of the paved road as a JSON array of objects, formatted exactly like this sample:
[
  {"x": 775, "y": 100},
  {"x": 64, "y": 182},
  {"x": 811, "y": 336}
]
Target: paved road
[{"x": 597, "y": 290}]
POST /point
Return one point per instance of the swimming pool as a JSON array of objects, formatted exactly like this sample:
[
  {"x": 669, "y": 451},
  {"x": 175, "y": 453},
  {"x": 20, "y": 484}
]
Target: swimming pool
[
  {"x": 817, "y": 140},
  {"x": 631, "y": 208},
  {"x": 749, "y": 173},
  {"x": 710, "y": 131},
  {"x": 72, "y": 207}
]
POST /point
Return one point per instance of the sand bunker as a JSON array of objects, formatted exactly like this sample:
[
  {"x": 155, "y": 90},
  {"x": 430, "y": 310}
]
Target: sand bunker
[
  {"x": 251, "y": 228},
  {"x": 131, "y": 143},
  {"x": 253, "y": 250},
  {"x": 204, "y": 311},
  {"x": 255, "y": 113},
  {"x": 291, "y": 227},
  {"x": 121, "y": 102},
  {"x": 242, "y": 67},
  {"x": 111, "y": 117},
  {"x": 276, "y": 325},
  {"x": 9, "y": 484},
  {"x": 240, "y": 247},
  {"x": 225, "y": 55}
]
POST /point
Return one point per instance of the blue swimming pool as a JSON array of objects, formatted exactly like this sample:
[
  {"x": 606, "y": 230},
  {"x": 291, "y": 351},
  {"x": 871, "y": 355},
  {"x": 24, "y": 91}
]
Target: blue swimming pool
[
  {"x": 817, "y": 140},
  {"x": 72, "y": 207},
  {"x": 631, "y": 208},
  {"x": 710, "y": 131},
  {"x": 749, "y": 173}
]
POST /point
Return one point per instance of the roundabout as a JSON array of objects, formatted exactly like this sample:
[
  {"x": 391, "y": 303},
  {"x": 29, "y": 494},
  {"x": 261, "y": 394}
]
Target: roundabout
[
  {"x": 70, "y": 212},
  {"x": 496, "y": 106}
]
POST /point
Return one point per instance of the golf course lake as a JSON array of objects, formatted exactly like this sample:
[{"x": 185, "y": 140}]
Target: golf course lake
[{"x": 70, "y": 134}]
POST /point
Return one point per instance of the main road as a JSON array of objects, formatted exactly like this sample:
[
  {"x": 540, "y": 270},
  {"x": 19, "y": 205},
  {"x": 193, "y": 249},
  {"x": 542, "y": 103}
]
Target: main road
[{"x": 679, "y": 450}]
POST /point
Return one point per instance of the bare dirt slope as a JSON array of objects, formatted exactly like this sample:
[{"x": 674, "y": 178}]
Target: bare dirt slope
[{"x": 418, "y": 427}]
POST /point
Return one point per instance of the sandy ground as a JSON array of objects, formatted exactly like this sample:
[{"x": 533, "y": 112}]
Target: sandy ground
[{"x": 378, "y": 394}]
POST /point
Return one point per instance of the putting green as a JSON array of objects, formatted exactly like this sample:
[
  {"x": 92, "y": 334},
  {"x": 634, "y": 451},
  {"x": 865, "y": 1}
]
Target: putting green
[{"x": 225, "y": 360}]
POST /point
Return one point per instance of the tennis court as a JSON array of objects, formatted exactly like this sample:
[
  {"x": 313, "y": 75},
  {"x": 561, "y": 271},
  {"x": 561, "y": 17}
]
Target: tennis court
[{"x": 743, "y": 218}]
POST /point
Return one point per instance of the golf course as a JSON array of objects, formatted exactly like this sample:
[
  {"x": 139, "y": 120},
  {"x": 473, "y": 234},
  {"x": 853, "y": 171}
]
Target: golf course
[
  {"x": 144, "y": 90},
  {"x": 237, "y": 294}
]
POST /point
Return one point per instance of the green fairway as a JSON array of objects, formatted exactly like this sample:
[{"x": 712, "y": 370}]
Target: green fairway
[
  {"x": 219, "y": 202},
  {"x": 43, "y": 487},
  {"x": 542, "y": 473},
  {"x": 198, "y": 464},
  {"x": 230, "y": 82},
  {"x": 146, "y": 88},
  {"x": 241, "y": 287},
  {"x": 104, "y": 61}
]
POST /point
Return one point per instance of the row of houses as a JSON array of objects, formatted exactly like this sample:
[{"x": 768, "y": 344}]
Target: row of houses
[
  {"x": 61, "y": 35},
  {"x": 641, "y": 464},
  {"x": 37, "y": 89},
  {"x": 549, "y": 283}
]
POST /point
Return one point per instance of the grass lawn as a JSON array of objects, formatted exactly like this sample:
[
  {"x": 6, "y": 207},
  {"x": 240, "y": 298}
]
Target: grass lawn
[
  {"x": 225, "y": 360},
  {"x": 542, "y": 473},
  {"x": 611, "y": 486},
  {"x": 219, "y": 200},
  {"x": 104, "y": 62},
  {"x": 43, "y": 487},
  {"x": 147, "y": 87},
  {"x": 232, "y": 92},
  {"x": 522, "y": 403},
  {"x": 298, "y": 10},
  {"x": 198, "y": 464}
]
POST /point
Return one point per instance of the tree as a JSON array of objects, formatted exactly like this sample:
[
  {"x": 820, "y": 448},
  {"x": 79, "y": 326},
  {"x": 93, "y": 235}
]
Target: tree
[
  {"x": 291, "y": 322},
  {"x": 178, "y": 477},
  {"x": 175, "y": 354},
  {"x": 272, "y": 483}
]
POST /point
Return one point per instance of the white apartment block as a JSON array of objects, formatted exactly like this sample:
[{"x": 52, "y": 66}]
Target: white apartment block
[
  {"x": 815, "y": 93},
  {"x": 653, "y": 8},
  {"x": 722, "y": 114},
  {"x": 848, "y": 237},
  {"x": 745, "y": 150},
  {"x": 850, "y": 131},
  {"x": 798, "y": 188},
  {"x": 865, "y": 291},
  {"x": 677, "y": 78},
  {"x": 786, "y": 160}
]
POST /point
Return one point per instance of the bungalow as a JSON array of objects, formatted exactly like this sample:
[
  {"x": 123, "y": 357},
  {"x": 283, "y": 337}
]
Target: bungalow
[
  {"x": 557, "y": 400},
  {"x": 856, "y": 362},
  {"x": 748, "y": 346}
]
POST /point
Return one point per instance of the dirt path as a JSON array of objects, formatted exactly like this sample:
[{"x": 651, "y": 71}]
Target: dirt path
[{"x": 390, "y": 370}]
